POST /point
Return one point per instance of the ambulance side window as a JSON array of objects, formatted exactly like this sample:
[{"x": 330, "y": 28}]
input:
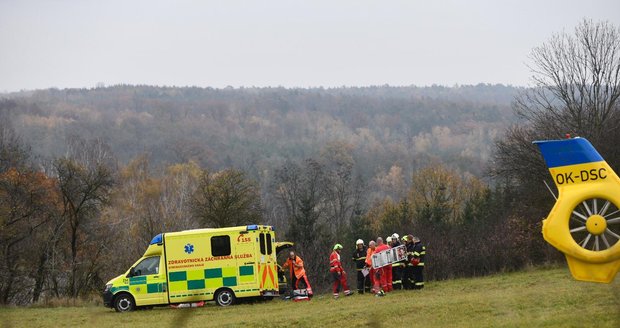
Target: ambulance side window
[
  {"x": 269, "y": 246},
  {"x": 149, "y": 265},
  {"x": 220, "y": 245},
  {"x": 262, "y": 243}
]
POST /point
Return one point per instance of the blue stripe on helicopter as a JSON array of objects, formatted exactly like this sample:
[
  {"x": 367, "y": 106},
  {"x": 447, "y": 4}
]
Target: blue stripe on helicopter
[{"x": 568, "y": 152}]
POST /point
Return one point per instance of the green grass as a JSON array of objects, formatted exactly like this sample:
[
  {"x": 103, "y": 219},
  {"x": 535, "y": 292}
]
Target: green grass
[{"x": 540, "y": 297}]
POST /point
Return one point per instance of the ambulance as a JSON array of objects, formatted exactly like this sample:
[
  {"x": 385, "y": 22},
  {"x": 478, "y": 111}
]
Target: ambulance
[{"x": 191, "y": 266}]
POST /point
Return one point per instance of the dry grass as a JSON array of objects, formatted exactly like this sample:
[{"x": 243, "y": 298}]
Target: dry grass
[{"x": 535, "y": 297}]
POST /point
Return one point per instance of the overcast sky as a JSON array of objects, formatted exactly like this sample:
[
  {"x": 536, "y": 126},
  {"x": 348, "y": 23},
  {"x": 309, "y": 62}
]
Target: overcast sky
[{"x": 56, "y": 43}]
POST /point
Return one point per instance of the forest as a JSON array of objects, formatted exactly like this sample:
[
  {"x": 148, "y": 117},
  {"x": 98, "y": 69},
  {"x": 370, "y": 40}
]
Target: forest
[{"x": 89, "y": 176}]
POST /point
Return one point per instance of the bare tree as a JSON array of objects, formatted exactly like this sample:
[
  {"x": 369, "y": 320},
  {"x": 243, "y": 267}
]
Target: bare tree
[
  {"x": 576, "y": 81},
  {"x": 576, "y": 89}
]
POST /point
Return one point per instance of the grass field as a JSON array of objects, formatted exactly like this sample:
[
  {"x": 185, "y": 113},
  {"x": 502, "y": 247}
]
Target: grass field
[{"x": 540, "y": 297}]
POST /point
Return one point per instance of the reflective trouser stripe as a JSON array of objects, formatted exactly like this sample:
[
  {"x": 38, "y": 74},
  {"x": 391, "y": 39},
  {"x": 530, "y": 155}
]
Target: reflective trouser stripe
[
  {"x": 419, "y": 283},
  {"x": 397, "y": 282}
]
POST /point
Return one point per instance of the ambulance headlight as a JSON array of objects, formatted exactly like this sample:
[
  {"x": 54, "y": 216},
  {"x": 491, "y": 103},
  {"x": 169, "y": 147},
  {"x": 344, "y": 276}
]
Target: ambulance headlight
[{"x": 107, "y": 288}]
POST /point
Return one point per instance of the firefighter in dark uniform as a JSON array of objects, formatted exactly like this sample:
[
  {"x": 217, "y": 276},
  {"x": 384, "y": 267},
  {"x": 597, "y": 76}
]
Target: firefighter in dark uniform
[
  {"x": 407, "y": 279},
  {"x": 359, "y": 257},
  {"x": 397, "y": 267},
  {"x": 419, "y": 252}
]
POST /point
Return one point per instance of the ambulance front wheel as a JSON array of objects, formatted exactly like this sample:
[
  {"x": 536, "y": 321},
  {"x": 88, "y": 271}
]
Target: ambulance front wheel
[
  {"x": 124, "y": 303},
  {"x": 224, "y": 297}
]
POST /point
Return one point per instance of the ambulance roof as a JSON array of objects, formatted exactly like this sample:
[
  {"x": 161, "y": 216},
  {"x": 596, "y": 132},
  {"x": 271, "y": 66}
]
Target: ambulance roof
[{"x": 158, "y": 239}]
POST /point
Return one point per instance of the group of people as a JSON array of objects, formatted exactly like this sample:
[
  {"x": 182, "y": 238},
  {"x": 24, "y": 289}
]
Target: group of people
[{"x": 407, "y": 273}]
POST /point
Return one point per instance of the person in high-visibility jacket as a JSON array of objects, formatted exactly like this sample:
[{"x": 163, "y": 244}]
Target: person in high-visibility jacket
[
  {"x": 338, "y": 275},
  {"x": 387, "y": 271},
  {"x": 359, "y": 257},
  {"x": 397, "y": 267},
  {"x": 419, "y": 252},
  {"x": 297, "y": 272},
  {"x": 380, "y": 276},
  {"x": 408, "y": 280},
  {"x": 371, "y": 274}
]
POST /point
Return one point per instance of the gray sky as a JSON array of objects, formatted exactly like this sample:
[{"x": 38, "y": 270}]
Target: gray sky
[{"x": 271, "y": 43}]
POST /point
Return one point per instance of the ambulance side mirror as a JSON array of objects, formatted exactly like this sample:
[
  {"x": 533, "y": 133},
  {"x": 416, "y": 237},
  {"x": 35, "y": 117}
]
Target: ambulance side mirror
[{"x": 132, "y": 272}]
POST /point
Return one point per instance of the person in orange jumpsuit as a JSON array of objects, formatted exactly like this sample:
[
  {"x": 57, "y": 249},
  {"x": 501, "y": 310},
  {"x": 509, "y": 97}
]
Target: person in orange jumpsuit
[
  {"x": 371, "y": 275},
  {"x": 380, "y": 276},
  {"x": 338, "y": 275},
  {"x": 297, "y": 272}
]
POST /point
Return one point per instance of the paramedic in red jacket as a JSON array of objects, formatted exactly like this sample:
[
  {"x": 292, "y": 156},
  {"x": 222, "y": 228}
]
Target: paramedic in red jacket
[{"x": 337, "y": 272}]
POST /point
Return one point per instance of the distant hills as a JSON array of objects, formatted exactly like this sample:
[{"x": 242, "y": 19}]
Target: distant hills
[{"x": 255, "y": 129}]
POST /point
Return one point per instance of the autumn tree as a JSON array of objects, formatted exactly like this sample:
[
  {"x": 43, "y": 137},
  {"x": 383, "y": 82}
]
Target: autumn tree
[
  {"x": 226, "y": 198},
  {"x": 178, "y": 188},
  {"x": 28, "y": 202},
  {"x": 85, "y": 177}
]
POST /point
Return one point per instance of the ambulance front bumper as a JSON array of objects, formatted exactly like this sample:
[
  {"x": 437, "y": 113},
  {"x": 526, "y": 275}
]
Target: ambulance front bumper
[{"x": 107, "y": 299}]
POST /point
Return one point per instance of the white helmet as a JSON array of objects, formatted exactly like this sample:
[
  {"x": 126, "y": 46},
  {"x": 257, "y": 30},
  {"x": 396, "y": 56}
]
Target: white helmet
[
  {"x": 359, "y": 241},
  {"x": 388, "y": 239},
  {"x": 395, "y": 236}
]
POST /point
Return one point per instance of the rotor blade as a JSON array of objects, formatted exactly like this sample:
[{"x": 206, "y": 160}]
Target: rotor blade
[
  {"x": 605, "y": 240},
  {"x": 587, "y": 208},
  {"x": 585, "y": 242},
  {"x": 596, "y": 243},
  {"x": 605, "y": 208},
  {"x": 580, "y": 215},
  {"x": 578, "y": 229},
  {"x": 613, "y": 221},
  {"x": 612, "y": 233}
]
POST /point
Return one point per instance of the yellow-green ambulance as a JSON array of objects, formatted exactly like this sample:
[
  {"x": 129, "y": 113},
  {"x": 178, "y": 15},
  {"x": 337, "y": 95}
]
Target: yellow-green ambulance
[{"x": 199, "y": 265}]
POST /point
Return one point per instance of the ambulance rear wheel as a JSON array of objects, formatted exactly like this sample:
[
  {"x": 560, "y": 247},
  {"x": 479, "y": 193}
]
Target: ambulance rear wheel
[
  {"x": 225, "y": 297},
  {"x": 124, "y": 303}
]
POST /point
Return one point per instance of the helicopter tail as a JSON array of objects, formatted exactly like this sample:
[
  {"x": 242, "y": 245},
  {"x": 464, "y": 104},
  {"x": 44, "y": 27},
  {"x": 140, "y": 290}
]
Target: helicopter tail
[
  {"x": 572, "y": 162},
  {"x": 584, "y": 223}
]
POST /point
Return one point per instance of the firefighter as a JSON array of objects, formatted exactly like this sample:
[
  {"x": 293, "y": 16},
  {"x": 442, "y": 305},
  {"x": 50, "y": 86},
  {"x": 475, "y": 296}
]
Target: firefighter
[
  {"x": 371, "y": 273},
  {"x": 380, "y": 276},
  {"x": 297, "y": 272},
  {"x": 388, "y": 269},
  {"x": 408, "y": 270},
  {"x": 338, "y": 275},
  {"x": 419, "y": 252},
  {"x": 397, "y": 267},
  {"x": 359, "y": 257}
]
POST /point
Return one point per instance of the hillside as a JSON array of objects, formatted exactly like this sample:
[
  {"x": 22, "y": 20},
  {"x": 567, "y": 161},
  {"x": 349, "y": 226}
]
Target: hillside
[
  {"x": 257, "y": 128},
  {"x": 537, "y": 297}
]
